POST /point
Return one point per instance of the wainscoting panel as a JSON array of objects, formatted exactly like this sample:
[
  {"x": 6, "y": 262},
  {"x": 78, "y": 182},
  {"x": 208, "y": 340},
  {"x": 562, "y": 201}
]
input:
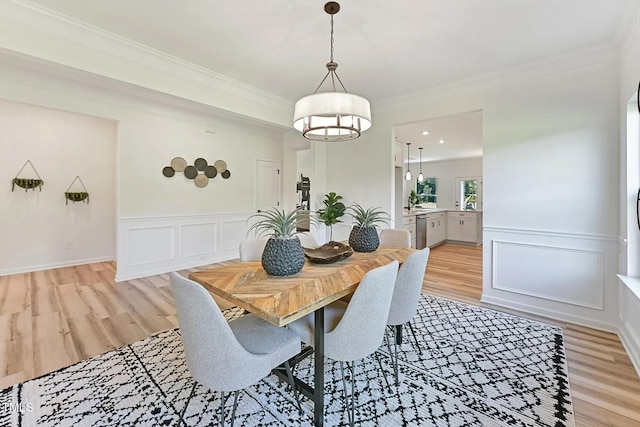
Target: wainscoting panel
[
  {"x": 574, "y": 276},
  {"x": 148, "y": 246},
  {"x": 198, "y": 239},
  {"x": 233, "y": 232},
  {"x": 564, "y": 276}
]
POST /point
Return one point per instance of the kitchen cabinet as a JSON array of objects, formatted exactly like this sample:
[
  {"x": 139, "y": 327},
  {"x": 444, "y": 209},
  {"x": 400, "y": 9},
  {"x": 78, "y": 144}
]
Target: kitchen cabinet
[
  {"x": 463, "y": 226},
  {"x": 436, "y": 228},
  {"x": 409, "y": 223}
]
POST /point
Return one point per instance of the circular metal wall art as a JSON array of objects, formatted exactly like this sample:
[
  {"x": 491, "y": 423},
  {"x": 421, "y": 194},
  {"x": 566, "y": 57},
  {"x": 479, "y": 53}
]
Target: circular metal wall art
[
  {"x": 220, "y": 165},
  {"x": 178, "y": 164},
  {"x": 168, "y": 171},
  {"x": 200, "y": 164},
  {"x": 201, "y": 180},
  {"x": 190, "y": 172},
  {"x": 210, "y": 171},
  {"x": 226, "y": 174}
]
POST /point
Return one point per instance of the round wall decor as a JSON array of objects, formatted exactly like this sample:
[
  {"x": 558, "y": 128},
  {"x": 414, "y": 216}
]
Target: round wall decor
[
  {"x": 190, "y": 172},
  {"x": 220, "y": 165},
  {"x": 200, "y": 164},
  {"x": 226, "y": 174},
  {"x": 168, "y": 171},
  {"x": 201, "y": 180},
  {"x": 210, "y": 171},
  {"x": 178, "y": 164}
]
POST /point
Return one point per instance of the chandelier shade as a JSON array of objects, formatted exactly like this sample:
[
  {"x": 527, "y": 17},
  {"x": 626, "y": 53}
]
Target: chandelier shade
[{"x": 332, "y": 116}]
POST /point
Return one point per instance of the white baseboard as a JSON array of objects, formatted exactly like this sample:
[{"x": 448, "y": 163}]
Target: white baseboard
[
  {"x": 552, "y": 314},
  {"x": 70, "y": 263}
]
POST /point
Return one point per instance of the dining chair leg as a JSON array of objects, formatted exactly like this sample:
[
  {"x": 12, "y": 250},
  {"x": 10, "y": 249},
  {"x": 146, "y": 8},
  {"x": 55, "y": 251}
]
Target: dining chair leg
[
  {"x": 395, "y": 356},
  {"x": 414, "y": 337},
  {"x": 349, "y": 403},
  {"x": 235, "y": 405},
  {"x": 287, "y": 367},
  {"x": 393, "y": 353}
]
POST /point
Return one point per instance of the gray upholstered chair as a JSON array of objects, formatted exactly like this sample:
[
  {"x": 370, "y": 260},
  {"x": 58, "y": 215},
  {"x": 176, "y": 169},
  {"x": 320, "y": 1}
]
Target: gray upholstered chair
[
  {"x": 395, "y": 237},
  {"x": 404, "y": 304},
  {"x": 228, "y": 356},
  {"x": 251, "y": 249},
  {"x": 356, "y": 330}
]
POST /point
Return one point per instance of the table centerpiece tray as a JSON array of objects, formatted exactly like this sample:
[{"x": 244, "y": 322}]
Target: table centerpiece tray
[{"x": 328, "y": 253}]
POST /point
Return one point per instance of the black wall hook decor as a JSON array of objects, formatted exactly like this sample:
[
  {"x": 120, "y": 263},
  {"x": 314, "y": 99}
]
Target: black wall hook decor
[
  {"x": 78, "y": 196},
  {"x": 27, "y": 183}
]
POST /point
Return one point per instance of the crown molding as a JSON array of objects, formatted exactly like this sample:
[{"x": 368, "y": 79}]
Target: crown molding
[
  {"x": 592, "y": 56},
  {"x": 28, "y": 29}
]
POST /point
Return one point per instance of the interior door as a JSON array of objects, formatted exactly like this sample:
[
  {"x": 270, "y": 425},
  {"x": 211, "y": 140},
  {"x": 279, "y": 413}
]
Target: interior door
[{"x": 267, "y": 186}]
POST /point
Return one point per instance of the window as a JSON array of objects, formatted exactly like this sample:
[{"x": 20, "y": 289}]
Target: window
[
  {"x": 427, "y": 192},
  {"x": 468, "y": 195}
]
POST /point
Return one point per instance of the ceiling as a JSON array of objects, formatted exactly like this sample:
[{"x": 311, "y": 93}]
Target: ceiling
[
  {"x": 385, "y": 49},
  {"x": 461, "y": 136}
]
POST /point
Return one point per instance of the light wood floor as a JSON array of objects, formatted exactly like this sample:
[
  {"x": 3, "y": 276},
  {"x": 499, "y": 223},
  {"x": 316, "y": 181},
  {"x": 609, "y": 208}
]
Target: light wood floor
[{"x": 51, "y": 319}]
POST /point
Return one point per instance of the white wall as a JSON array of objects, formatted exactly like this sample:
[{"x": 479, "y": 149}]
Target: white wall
[
  {"x": 39, "y": 230},
  {"x": 629, "y": 285},
  {"x": 155, "y": 215},
  {"x": 148, "y": 142},
  {"x": 550, "y": 168}
]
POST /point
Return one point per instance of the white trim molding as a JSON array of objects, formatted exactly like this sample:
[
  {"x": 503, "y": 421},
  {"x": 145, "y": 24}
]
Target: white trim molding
[
  {"x": 156, "y": 245},
  {"x": 565, "y": 276}
]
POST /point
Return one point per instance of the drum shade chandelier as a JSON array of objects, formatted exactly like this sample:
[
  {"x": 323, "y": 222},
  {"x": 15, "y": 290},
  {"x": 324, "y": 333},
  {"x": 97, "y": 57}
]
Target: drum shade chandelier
[{"x": 332, "y": 116}]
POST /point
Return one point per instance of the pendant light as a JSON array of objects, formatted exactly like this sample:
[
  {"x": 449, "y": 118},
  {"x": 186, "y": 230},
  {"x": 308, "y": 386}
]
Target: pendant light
[
  {"x": 332, "y": 116},
  {"x": 420, "y": 176},
  {"x": 408, "y": 174}
]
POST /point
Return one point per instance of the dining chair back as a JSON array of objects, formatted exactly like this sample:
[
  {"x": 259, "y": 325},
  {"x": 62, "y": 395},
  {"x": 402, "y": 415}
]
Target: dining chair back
[
  {"x": 395, "y": 237},
  {"x": 404, "y": 304},
  {"x": 227, "y": 356},
  {"x": 357, "y": 329}
]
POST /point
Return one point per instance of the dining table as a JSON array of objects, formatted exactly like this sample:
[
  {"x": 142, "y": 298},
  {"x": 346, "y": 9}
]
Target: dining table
[{"x": 282, "y": 299}]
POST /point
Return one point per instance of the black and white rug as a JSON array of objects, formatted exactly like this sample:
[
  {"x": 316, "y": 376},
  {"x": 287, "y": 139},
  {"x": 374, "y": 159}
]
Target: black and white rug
[{"x": 479, "y": 367}]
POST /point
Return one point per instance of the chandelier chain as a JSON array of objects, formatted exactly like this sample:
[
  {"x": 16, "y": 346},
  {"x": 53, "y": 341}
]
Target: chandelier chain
[{"x": 331, "y": 58}]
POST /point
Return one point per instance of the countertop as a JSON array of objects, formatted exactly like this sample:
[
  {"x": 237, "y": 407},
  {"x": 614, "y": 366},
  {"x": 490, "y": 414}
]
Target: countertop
[{"x": 419, "y": 211}]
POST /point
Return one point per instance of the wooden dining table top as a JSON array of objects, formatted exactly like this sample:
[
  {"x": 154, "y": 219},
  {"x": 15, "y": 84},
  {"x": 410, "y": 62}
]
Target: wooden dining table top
[{"x": 282, "y": 299}]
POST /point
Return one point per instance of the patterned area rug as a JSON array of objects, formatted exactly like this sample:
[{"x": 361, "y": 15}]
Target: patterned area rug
[{"x": 479, "y": 367}]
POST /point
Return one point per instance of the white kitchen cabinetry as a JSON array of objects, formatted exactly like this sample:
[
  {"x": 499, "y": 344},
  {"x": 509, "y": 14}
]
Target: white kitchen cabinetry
[
  {"x": 436, "y": 228},
  {"x": 463, "y": 226},
  {"x": 409, "y": 223}
]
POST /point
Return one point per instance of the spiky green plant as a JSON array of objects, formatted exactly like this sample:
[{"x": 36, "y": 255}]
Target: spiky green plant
[
  {"x": 368, "y": 217},
  {"x": 275, "y": 222}
]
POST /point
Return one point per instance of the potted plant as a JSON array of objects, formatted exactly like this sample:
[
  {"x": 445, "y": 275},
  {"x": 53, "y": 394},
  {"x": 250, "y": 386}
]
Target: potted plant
[
  {"x": 283, "y": 254},
  {"x": 332, "y": 211},
  {"x": 364, "y": 236}
]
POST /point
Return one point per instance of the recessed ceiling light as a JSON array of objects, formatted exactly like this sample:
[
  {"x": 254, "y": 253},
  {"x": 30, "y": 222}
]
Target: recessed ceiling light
[
  {"x": 424, "y": 132},
  {"x": 441, "y": 141}
]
